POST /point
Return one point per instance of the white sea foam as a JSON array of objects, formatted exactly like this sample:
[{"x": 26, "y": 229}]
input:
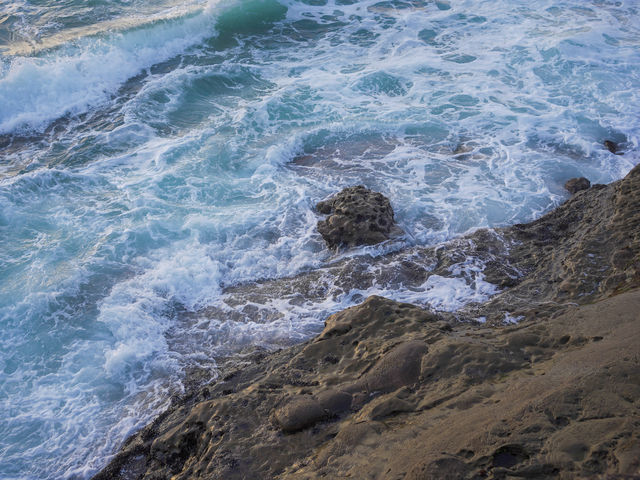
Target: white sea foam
[
  {"x": 138, "y": 311},
  {"x": 69, "y": 80},
  {"x": 511, "y": 319}
]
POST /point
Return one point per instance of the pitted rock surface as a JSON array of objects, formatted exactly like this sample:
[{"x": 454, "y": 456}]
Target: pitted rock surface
[{"x": 356, "y": 216}]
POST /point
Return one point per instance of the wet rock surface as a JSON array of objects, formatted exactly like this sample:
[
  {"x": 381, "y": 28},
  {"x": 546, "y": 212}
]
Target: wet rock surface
[
  {"x": 583, "y": 251},
  {"x": 356, "y": 216},
  {"x": 611, "y": 146},
  {"x": 393, "y": 390},
  {"x": 574, "y": 185},
  {"x": 412, "y": 396}
]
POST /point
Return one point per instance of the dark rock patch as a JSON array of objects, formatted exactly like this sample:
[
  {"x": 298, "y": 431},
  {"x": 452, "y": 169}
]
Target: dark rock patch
[
  {"x": 356, "y": 216},
  {"x": 574, "y": 185},
  {"x": 611, "y": 146},
  {"x": 509, "y": 456},
  {"x": 446, "y": 468}
]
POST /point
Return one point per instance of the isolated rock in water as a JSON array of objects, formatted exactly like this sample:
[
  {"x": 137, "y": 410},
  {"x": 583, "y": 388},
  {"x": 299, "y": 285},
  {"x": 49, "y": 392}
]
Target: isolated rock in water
[
  {"x": 611, "y": 146},
  {"x": 357, "y": 216},
  {"x": 574, "y": 185}
]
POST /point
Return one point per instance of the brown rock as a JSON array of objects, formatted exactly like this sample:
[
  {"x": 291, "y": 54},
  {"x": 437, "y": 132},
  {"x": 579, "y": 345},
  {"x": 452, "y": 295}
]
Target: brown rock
[
  {"x": 574, "y": 185},
  {"x": 299, "y": 413},
  {"x": 555, "y": 396},
  {"x": 399, "y": 367},
  {"x": 446, "y": 468},
  {"x": 375, "y": 313},
  {"x": 479, "y": 408},
  {"x": 334, "y": 401},
  {"x": 357, "y": 216},
  {"x": 350, "y": 436},
  {"x": 387, "y": 407}
]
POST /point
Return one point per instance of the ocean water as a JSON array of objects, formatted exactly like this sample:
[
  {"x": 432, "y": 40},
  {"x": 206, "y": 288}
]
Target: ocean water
[{"x": 155, "y": 153}]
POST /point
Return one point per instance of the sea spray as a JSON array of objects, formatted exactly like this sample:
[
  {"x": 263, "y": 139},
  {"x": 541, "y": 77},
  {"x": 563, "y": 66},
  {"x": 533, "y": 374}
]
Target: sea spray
[{"x": 87, "y": 72}]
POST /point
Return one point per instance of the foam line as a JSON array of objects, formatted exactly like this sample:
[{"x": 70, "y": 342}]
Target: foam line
[{"x": 35, "y": 90}]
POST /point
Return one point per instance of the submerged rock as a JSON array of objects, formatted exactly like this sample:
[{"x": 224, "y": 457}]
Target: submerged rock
[
  {"x": 574, "y": 185},
  {"x": 356, "y": 216}
]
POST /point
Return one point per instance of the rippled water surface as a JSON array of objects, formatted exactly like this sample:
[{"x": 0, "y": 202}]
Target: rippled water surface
[{"x": 153, "y": 153}]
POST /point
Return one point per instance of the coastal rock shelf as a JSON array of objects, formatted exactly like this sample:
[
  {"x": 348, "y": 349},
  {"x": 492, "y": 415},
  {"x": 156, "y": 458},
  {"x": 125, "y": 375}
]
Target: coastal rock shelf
[{"x": 392, "y": 390}]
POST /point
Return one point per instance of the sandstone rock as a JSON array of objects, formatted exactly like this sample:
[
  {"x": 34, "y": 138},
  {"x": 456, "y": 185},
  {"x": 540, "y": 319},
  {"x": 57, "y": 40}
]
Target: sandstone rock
[
  {"x": 334, "y": 401},
  {"x": 374, "y": 315},
  {"x": 357, "y": 216},
  {"x": 481, "y": 406},
  {"x": 574, "y": 185},
  {"x": 349, "y": 437},
  {"x": 522, "y": 340},
  {"x": 445, "y": 468},
  {"x": 299, "y": 413},
  {"x": 386, "y": 407},
  {"x": 399, "y": 367}
]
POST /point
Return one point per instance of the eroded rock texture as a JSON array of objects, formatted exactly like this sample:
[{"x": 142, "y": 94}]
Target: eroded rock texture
[
  {"x": 585, "y": 250},
  {"x": 389, "y": 390},
  {"x": 356, "y": 216}
]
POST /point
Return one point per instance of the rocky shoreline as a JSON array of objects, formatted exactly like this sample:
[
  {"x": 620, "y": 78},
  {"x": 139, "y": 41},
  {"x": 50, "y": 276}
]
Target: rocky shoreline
[{"x": 391, "y": 390}]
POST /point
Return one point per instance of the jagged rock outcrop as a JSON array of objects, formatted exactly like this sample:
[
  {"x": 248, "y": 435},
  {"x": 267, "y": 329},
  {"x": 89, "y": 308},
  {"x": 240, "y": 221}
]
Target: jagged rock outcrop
[
  {"x": 583, "y": 251},
  {"x": 611, "y": 146}
]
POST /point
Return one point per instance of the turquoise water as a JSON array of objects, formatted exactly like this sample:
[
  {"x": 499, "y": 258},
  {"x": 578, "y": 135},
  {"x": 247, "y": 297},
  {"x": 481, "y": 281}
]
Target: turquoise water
[{"x": 154, "y": 153}]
